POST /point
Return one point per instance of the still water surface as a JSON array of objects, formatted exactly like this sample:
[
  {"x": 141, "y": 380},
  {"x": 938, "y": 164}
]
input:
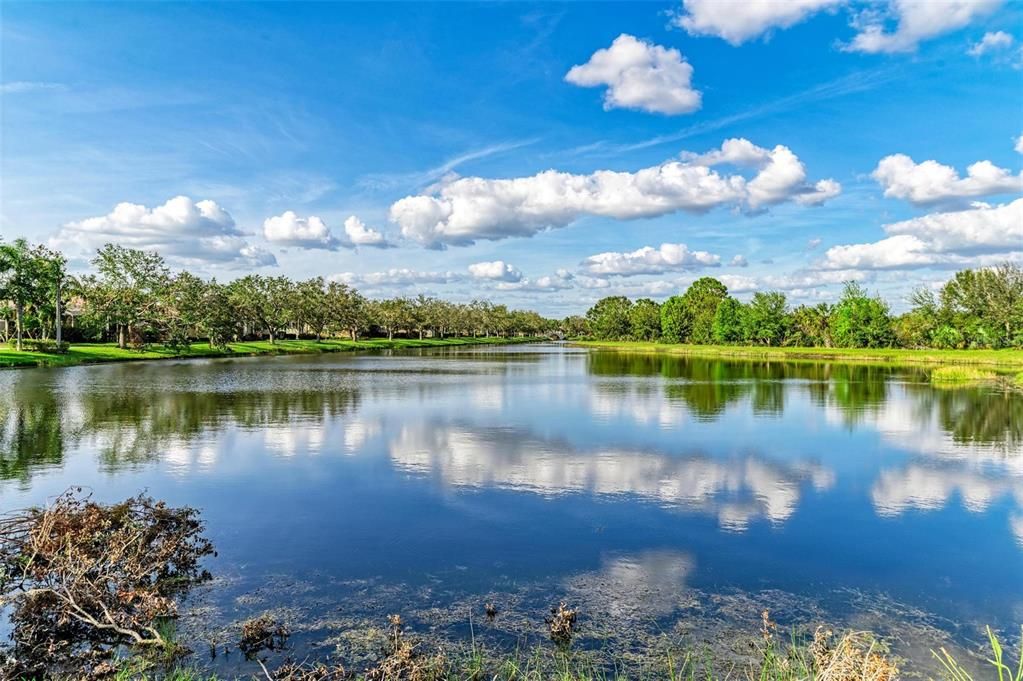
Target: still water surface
[{"x": 672, "y": 494}]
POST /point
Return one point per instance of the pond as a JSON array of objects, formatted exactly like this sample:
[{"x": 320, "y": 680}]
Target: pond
[{"x": 658, "y": 494}]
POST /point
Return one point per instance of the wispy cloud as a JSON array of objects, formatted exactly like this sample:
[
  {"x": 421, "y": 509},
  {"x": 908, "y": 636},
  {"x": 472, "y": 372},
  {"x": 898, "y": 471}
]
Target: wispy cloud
[
  {"x": 22, "y": 86},
  {"x": 420, "y": 179}
]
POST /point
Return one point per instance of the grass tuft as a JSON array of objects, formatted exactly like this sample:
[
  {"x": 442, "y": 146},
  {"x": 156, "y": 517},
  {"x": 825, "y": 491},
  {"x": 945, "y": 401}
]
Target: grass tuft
[{"x": 946, "y": 375}]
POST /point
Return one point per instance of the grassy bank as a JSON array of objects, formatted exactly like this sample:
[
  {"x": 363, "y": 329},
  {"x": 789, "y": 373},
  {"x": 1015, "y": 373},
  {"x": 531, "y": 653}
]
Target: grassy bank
[
  {"x": 95, "y": 353},
  {"x": 998, "y": 359}
]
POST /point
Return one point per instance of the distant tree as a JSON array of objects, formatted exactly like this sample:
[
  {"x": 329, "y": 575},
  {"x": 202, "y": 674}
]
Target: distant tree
[
  {"x": 266, "y": 301},
  {"x": 701, "y": 302},
  {"x": 309, "y": 307},
  {"x": 729, "y": 321},
  {"x": 393, "y": 315},
  {"x": 645, "y": 320},
  {"x": 346, "y": 309},
  {"x": 676, "y": 320},
  {"x": 129, "y": 291},
  {"x": 608, "y": 319},
  {"x": 19, "y": 271},
  {"x": 766, "y": 319},
  {"x": 811, "y": 326},
  {"x": 861, "y": 321},
  {"x": 988, "y": 304},
  {"x": 575, "y": 327}
]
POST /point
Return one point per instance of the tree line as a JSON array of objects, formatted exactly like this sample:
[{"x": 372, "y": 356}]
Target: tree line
[
  {"x": 134, "y": 298},
  {"x": 978, "y": 308}
]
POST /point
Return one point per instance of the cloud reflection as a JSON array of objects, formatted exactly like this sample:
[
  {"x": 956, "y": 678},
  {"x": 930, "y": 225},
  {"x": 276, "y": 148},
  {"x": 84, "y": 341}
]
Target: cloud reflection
[{"x": 736, "y": 490}]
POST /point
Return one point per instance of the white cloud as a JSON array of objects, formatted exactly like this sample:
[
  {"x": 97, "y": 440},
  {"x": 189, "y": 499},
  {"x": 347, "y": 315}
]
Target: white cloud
[
  {"x": 649, "y": 260},
  {"x": 466, "y": 209},
  {"x": 740, "y": 20},
  {"x": 180, "y": 229},
  {"x": 821, "y": 192},
  {"x": 801, "y": 280},
  {"x": 396, "y": 277},
  {"x": 1019, "y": 145},
  {"x": 359, "y": 234},
  {"x": 737, "y": 283},
  {"x": 495, "y": 270},
  {"x": 917, "y": 20},
  {"x": 288, "y": 229},
  {"x": 738, "y": 261},
  {"x": 813, "y": 243},
  {"x": 991, "y": 42},
  {"x": 931, "y": 182},
  {"x": 959, "y": 238},
  {"x": 559, "y": 281},
  {"x": 22, "y": 86},
  {"x": 639, "y": 75}
]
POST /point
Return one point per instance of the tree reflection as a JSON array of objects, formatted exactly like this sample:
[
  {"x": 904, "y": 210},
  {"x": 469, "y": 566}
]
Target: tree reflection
[{"x": 31, "y": 428}]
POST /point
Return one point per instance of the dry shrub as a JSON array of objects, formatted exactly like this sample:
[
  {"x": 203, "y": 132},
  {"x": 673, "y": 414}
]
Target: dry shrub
[
  {"x": 857, "y": 656},
  {"x": 291, "y": 671},
  {"x": 561, "y": 624},
  {"x": 82, "y": 578},
  {"x": 404, "y": 661},
  {"x": 262, "y": 633}
]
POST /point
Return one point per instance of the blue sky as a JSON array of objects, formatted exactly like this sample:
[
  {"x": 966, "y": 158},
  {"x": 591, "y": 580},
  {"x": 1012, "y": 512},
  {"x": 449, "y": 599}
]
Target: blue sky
[{"x": 403, "y": 147}]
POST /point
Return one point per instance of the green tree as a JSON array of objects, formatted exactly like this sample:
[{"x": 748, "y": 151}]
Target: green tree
[
  {"x": 701, "y": 302},
  {"x": 861, "y": 321},
  {"x": 766, "y": 319},
  {"x": 676, "y": 320},
  {"x": 129, "y": 291},
  {"x": 309, "y": 307},
  {"x": 347, "y": 308},
  {"x": 729, "y": 321},
  {"x": 19, "y": 273},
  {"x": 393, "y": 315},
  {"x": 988, "y": 304},
  {"x": 645, "y": 320},
  {"x": 266, "y": 301},
  {"x": 608, "y": 319},
  {"x": 811, "y": 326}
]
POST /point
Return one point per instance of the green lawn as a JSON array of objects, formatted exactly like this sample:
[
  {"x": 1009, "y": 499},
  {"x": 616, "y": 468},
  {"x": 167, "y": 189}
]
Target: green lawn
[
  {"x": 92, "y": 353},
  {"x": 1005, "y": 359}
]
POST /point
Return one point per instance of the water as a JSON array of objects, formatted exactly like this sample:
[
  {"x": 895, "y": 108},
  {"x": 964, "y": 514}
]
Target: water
[{"x": 659, "y": 494}]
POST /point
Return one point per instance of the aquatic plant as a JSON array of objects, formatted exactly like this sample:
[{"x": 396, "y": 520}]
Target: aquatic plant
[
  {"x": 960, "y": 374},
  {"x": 1003, "y": 666},
  {"x": 83, "y": 579},
  {"x": 262, "y": 633},
  {"x": 561, "y": 624}
]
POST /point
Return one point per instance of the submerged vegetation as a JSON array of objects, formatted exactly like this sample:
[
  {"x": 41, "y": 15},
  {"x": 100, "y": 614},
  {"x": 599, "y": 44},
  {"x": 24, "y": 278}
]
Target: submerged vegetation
[
  {"x": 952, "y": 375},
  {"x": 93, "y": 593}
]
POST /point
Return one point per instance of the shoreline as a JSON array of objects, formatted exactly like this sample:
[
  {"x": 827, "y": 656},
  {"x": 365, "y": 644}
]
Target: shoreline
[
  {"x": 106, "y": 353},
  {"x": 1008, "y": 360}
]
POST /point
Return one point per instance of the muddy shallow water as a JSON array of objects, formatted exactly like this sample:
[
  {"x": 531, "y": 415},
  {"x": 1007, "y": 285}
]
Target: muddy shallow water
[{"x": 670, "y": 499}]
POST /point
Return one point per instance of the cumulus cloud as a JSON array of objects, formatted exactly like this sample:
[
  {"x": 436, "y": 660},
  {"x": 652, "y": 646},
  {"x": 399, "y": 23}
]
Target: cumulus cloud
[
  {"x": 738, "y": 261},
  {"x": 649, "y": 260},
  {"x": 802, "y": 280},
  {"x": 464, "y": 210},
  {"x": 182, "y": 229},
  {"x": 916, "y": 20},
  {"x": 931, "y": 182},
  {"x": 639, "y": 75},
  {"x": 288, "y": 229},
  {"x": 358, "y": 234},
  {"x": 495, "y": 270},
  {"x": 559, "y": 281},
  {"x": 977, "y": 236},
  {"x": 738, "y": 283},
  {"x": 1019, "y": 145},
  {"x": 992, "y": 41},
  {"x": 740, "y": 20},
  {"x": 396, "y": 277}
]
